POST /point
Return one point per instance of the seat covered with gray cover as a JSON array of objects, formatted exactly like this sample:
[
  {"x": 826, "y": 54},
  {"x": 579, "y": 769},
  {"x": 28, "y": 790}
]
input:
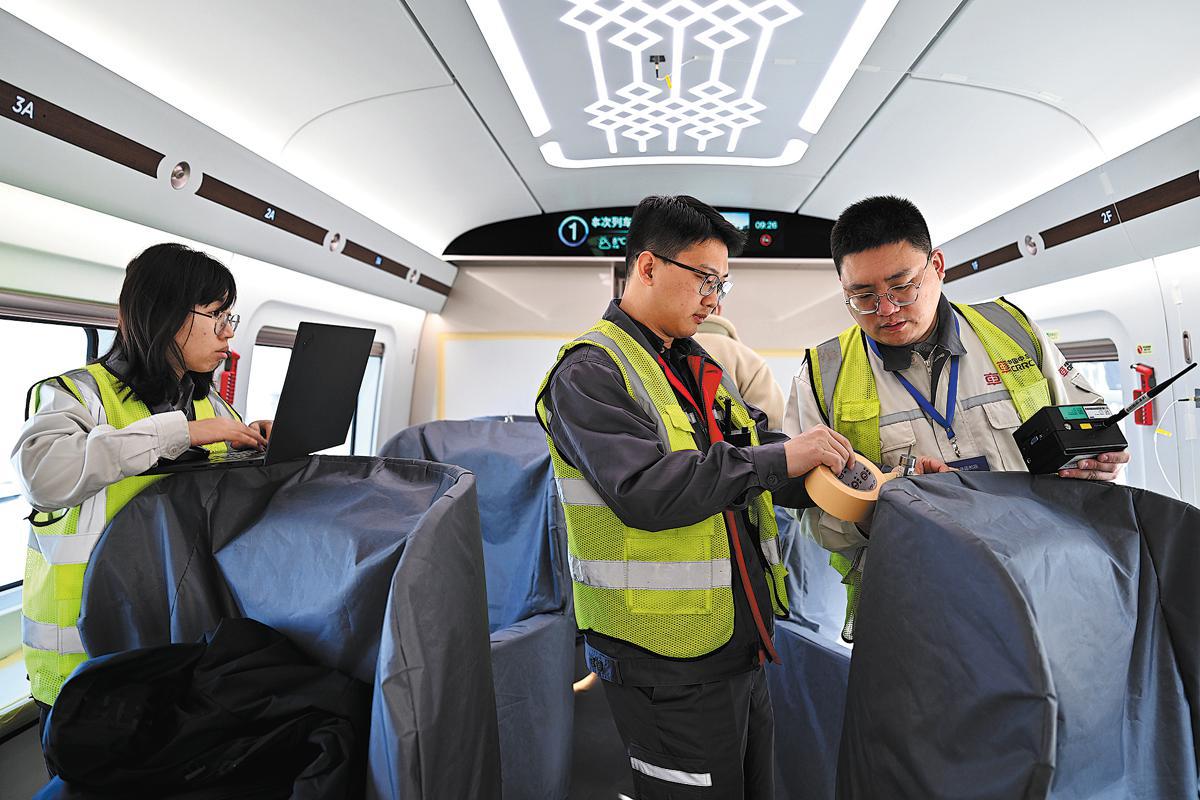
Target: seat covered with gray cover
[
  {"x": 530, "y": 613},
  {"x": 1025, "y": 637},
  {"x": 370, "y": 566}
]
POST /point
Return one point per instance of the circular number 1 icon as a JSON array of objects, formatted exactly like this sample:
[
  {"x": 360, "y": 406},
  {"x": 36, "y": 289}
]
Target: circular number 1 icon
[{"x": 572, "y": 231}]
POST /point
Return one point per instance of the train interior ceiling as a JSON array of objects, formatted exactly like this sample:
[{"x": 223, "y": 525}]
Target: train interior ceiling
[{"x": 458, "y": 175}]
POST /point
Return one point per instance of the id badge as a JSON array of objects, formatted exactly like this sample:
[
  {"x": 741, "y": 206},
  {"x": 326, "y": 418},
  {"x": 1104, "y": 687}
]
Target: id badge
[{"x": 977, "y": 464}]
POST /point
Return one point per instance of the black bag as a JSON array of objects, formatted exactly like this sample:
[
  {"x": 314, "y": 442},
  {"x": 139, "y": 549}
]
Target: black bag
[{"x": 242, "y": 713}]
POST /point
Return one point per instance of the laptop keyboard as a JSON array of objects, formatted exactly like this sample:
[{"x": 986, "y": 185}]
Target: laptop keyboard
[{"x": 235, "y": 455}]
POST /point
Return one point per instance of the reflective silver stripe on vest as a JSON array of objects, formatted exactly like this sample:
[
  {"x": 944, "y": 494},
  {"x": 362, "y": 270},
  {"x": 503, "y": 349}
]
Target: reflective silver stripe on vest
[
  {"x": 984, "y": 399},
  {"x": 901, "y": 416},
  {"x": 578, "y": 492},
  {"x": 219, "y": 407},
  {"x": 672, "y": 775},
  {"x": 74, "y": 548},
  {"x": 93, "y": 510},
  {"x": 640, "y": 393},
  {"x": 665, "y": 575},
  {"x": 770, "y": 550},
  {"x": 1003, "y": 319},
  {"x": 85, "y": 382},
  {"x": 45, "y": 636},
  {"x": 729, "y": 386},
  {"x": 829, "y": 366}
]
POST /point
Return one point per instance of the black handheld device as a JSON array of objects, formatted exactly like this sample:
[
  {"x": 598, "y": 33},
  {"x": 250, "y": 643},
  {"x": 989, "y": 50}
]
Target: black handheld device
[{"x": 1058, "y": 437}]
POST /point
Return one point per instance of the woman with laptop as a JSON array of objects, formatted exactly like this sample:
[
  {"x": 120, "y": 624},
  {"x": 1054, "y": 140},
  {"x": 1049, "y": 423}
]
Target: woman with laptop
[{"x": 92, "y": 432}]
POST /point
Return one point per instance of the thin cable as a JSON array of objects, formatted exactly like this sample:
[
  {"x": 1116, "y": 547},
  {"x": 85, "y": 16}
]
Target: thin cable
[{"x": 1160, "y": 432}]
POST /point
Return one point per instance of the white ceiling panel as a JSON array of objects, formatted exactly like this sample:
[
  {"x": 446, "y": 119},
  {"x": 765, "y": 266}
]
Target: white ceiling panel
[
  {"x": 1016, "y": 97},
  {"x": 909, "y": 31},
  {"x": 961, "y": 154},
  {"x": 1127, "y": 71},
  {"x": 417, "y": 163},
  {"x": 255, "y": 71}
]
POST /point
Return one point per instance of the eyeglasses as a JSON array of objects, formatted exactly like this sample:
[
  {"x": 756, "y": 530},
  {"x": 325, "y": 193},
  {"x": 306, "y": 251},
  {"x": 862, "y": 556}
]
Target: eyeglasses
[
  {"x": 222, "y": 321},
  {"x": 903, "y": 295},
  {"x": 711, "y": 283}
]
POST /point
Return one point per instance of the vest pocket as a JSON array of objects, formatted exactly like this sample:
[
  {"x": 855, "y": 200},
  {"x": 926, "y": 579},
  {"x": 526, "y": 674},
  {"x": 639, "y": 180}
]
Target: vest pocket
[
  {"x": 670, "y": 575},
  {"x": 677, "y": 418},
  {"x": 1002, "y": 415},
  {"x": 858, "y": 410},
  {"x": 1003, "y": 419}
]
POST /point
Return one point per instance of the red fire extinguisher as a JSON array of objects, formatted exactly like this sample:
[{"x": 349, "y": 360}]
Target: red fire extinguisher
[
  {"x": 1145, "y": 414},
  {"x": 228, "y": 384}
]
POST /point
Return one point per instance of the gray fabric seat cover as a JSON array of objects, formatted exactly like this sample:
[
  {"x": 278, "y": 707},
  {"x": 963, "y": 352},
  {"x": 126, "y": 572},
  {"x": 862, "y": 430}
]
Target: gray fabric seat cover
[
  {"x": 1025, "y": 637},
  {"x": 371, "y": 566},
  {"x": 530, "y": 611}
]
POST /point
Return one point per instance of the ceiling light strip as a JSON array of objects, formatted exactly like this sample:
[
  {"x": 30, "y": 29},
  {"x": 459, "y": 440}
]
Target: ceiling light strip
[
  {"x": 495, "y": 29},
  {"x": 45, "y": 117},
  {"x": 867, "y": 25}
]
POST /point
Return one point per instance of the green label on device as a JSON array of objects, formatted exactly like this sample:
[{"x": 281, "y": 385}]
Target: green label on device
[{"x": 1073, "y": 412}]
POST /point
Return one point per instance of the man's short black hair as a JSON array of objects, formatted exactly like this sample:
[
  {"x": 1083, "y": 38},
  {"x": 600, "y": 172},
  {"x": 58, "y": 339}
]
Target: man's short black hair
[
  {"x": 670, "y": 225},
  {"x": 875, "y": 222}
]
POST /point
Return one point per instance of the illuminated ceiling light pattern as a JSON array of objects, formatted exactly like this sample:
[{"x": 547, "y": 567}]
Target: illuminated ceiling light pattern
[
  {"x": 711, "y": 110},
  {"x": 742, "y": 73}
]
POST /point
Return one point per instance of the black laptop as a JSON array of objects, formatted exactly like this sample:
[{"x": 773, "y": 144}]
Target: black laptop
[{"x": 316, "y": 406}]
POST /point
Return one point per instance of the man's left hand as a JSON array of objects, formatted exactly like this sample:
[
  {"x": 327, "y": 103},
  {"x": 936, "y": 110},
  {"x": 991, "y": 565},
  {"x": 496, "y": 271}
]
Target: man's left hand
[
  {"x": 263, "y": 426},
  {"x": 928, "y": 465},
  {"x": 1104, "y": 467}
]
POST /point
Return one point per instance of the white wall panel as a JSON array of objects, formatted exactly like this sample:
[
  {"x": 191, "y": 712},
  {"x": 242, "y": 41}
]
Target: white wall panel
[
  {"x": 1124, "y": 305},
  {"x": 418, "y": 162},
  {"x": 1179, "y": 274},
  {"x": 255, "y": 71},
  {"x": 33, "y": 159},
  {"x": 961, "y": 154}
]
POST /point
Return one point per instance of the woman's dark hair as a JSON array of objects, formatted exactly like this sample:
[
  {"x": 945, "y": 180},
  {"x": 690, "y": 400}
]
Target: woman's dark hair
[
  {"x": 875, "y": 222},
  {"x": 670, "y": 225},
  {"x": 162, "y": 286}
]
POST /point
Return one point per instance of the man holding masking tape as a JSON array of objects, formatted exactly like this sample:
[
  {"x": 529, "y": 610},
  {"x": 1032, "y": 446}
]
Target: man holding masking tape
[
  {"x": 915, "y": 373},
  {"x": 668, "y": 479}
]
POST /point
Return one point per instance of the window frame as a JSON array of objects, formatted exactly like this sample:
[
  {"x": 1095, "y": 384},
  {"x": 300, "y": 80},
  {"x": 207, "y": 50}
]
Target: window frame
[
  {"x": 89, "y": 316},
  {"x": 285, "y": 339},
  {"x": 1089, "y": 350}
]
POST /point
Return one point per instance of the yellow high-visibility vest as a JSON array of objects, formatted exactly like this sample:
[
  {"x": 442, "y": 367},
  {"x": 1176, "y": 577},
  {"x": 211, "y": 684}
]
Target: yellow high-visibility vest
[
  {"x": 667, "y": 591},
  {"x": 844, "y": 386},
  {"x": 61, "y": 542}
]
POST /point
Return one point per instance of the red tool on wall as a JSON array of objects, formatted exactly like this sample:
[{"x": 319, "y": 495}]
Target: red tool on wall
[
  {"x": 1145, "y": 414},
  {"x": 228, "y": 381}
]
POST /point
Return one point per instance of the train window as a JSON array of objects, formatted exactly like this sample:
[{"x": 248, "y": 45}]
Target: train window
[
  {"x": 272, "y": 350},
  {"x": 36, "y": 350},
  {"x": 1097, "y": 361}
]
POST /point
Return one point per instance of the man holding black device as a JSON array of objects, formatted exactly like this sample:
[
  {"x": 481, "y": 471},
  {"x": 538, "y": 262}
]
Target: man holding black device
[{"x": 917, "y": 374}]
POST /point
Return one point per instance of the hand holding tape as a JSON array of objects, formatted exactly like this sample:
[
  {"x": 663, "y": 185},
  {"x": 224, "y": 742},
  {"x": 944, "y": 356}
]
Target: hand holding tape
[{"x": 849, "y": 495}]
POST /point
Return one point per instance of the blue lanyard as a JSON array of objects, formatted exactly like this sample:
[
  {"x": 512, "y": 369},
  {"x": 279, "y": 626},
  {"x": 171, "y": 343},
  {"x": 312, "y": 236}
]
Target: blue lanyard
[{"x": 947, "y": 422}]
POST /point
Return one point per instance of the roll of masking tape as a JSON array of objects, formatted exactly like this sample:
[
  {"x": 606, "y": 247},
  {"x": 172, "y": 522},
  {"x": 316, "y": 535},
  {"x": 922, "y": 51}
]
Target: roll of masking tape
[{"x": 849, "y": 495}]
